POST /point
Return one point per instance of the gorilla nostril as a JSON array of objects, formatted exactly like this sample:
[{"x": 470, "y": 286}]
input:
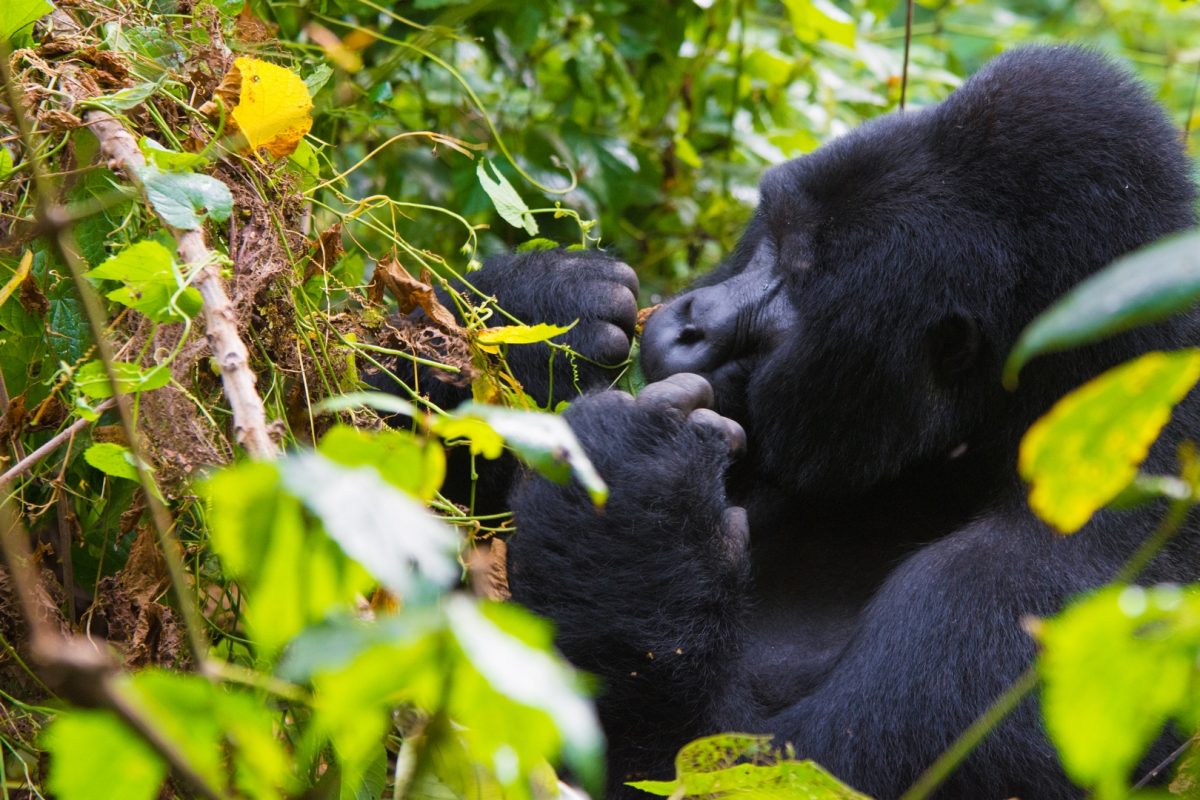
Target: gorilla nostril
[{"x": 690, "y": 335}]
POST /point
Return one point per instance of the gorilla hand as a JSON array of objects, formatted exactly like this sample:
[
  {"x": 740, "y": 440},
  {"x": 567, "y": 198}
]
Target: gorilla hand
[
  {"x": 672, "y": 584},
  {"x": 560, "y": 287}
]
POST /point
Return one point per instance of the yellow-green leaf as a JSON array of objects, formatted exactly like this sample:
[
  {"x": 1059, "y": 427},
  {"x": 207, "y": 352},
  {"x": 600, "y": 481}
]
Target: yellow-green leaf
[
  {"x": 1087, "y": 448},
  {"x": 271, "y": 105},
  {"x": 490, "y": 338}
]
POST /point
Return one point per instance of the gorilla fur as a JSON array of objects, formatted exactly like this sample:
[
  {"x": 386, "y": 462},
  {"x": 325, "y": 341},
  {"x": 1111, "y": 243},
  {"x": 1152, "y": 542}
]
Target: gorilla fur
[{"x": 866, "y": 606}]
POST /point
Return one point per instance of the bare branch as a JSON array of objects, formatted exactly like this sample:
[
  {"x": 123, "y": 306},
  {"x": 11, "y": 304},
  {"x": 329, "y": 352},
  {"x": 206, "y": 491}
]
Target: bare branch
[{"x": 27, "y": 463}]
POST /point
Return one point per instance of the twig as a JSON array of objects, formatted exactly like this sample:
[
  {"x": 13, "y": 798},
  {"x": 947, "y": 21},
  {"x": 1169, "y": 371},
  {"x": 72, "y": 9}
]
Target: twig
[
  {"x": 250, "y": 429},
  {"x": 908, "y": 31},
  {"x": 1166, "y": 762},
  {"x": 27, "y": 463}
]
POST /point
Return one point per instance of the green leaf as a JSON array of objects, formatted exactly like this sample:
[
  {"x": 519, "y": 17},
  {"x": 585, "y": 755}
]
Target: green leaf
[
  {"x": 6, "y": 163},
  {"x": 508, "y": 203},
  {"x": 1146, "y": 286},
  {"x": 391, "y": 535},
  {"x": 124, "y": 99},
  {"x": 185, "y": 199},
  {"x": 93, "y": 756},
  {"x": 92, "y": 381},
  {"x": 380, "y": 401},
  {"x": 544, "y": 441},
  {"x": 1086, "y": 449},
  {"x": 415, "y": 465},
  {"x": 536, "y": 245},
  {"x": 740, "y": 765},
  {"x": 526, "y": 673},
  {"x": 291, "y": 572},
  {"x": 152, "y": 283},
  {"x": 170, "y": 160},
  {"x": 318, "y": 78},
  {"x": 112, "y": 459},
  {"x": 1116, "y": 667},
  {"x": 820, "y": 20},
  {"x": 18, "y": 14}
]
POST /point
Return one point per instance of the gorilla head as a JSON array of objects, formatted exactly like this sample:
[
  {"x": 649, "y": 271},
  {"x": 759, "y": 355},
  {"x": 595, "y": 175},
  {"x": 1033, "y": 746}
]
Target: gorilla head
[{"x": 859, "y": 329}]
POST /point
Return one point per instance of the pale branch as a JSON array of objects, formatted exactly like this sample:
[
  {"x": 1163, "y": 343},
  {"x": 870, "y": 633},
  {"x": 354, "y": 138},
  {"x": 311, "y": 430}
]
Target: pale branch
[
  {"x": 27, "y": 463},
  {"x": 250, "y": 426}
]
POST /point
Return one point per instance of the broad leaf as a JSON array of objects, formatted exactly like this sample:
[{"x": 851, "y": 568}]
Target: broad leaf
[
  {"x": 18, "y": 14},
  {"x": 1145, "y": 286},
  {"x": 92, "y": 381},
  {"x": 124, "y": 99},
  {"x": 93, "y": 756},
  {"x": 152, "y": 284},
  {"x": 490, "y": 339},
  {"x": 544, "y": 441},
  {"x": 508, "y": 203},
  {"x": 1087, "y": 448},
  {"x": 112, "y": 459},
  {"x": 1116, "y": 667},
  {"x": 185, "y": 199},
  {"x": 170, "y": 160}
]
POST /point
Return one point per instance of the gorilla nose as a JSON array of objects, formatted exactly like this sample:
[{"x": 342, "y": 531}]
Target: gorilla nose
[{"x": 672, "y": 342}]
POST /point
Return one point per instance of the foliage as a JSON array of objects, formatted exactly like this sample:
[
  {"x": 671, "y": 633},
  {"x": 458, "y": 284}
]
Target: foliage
[{"x": 343, "y": 159}]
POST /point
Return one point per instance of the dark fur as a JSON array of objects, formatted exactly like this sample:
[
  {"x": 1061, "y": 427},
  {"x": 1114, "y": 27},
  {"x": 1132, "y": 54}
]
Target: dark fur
[{"x": 877, "y": 609}]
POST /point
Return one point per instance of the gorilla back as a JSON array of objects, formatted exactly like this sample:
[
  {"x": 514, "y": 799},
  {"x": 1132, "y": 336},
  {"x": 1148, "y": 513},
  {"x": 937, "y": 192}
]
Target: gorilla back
[{"x": 815, "y": 528}]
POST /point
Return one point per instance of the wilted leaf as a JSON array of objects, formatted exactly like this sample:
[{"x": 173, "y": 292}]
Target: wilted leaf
[
  {"x": 490, "y": 339},
  {"x": 737, "y": 765},
  {"x": 410, "y": 293},
  {"x": 544, "y": 441},
  {"x": 18, "y": 14},
  {"x": 1087, "y": 448},
  {"x": 152, "y": 284},
  {"x": 1116, "y": 667},
  {"x": 92, "y": 381},
  {"x": 93, "y": 756},
  {"x": 185, "y": 199},
  {"x": 508, "y": 203},
  {"x": 1146, "y": 286},
  {"x": 112, "y": 459},
  {"x": 270, "y": 105}
]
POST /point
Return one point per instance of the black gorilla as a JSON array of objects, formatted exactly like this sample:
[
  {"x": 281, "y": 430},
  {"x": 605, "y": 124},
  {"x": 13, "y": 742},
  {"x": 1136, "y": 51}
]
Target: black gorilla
[{"x": 824, "y": 537}]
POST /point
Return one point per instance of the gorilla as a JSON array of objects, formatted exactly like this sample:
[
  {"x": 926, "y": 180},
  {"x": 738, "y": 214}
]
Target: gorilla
[{"x": 815, "y": 527}]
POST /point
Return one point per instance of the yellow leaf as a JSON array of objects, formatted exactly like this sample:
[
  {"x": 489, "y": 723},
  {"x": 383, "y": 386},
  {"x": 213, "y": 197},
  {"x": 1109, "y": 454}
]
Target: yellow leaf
[
  {"x": 18, "y": 277},
  {"x": 489, "y": 338},
  {"x": 482, "y": 437},
  {"x": 1087, "y": 448},
  {"x": 273, "y": 109}
]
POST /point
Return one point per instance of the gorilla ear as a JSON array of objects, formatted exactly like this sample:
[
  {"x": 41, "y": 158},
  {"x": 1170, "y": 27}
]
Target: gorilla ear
[{"x": 954, "y": 343}]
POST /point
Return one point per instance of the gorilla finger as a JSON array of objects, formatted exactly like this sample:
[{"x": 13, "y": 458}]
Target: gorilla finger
[
  {"x": 685, "y": 391},
  {"x": 621, "y": 308},
  {"x": 735, "y": 532},
  {"x": 612, "y": 270},
  {"x": 733, "y": 433},
  {"x": 604, "y": 343}
]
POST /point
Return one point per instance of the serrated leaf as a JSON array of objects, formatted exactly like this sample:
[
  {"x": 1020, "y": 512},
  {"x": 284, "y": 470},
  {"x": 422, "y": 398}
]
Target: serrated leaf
[
  {"x": 18, "y": 14},
  {"x": 185, "y": 199},
  {"x": 1116, "y": 667},
  {"x": 1145, "y": 286},
  {"x": 94, "y": 756},
  {"x": 112, "y": 459},
  {"x": 152, "y": 284},
  {"x": 544, "y": 441},
  {"x": 508, "y": 203},
  {"x": 490, "y": 339},
  {"x": 92, "y": 381},
  {"x": 1086, "y": 449}
]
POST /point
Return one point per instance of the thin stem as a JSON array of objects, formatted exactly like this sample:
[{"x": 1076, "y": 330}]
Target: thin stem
[{"x": 28, "y": 462}]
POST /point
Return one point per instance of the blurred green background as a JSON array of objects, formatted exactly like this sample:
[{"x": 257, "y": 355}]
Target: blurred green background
[{"x": 667, "y": 112}]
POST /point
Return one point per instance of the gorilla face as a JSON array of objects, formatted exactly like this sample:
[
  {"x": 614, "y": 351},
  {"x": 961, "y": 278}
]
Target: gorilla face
[{"x": 858, "y": 328}]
